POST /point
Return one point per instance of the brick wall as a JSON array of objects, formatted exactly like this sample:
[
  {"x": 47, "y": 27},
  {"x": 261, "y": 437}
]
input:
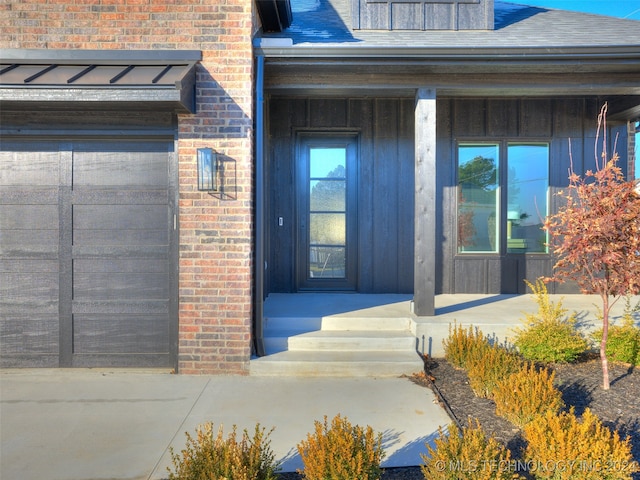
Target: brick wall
[{"x": 215, "y": 234}]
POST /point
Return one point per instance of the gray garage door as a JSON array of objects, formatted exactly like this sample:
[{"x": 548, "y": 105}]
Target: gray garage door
[{"x": 86, "y": 242}]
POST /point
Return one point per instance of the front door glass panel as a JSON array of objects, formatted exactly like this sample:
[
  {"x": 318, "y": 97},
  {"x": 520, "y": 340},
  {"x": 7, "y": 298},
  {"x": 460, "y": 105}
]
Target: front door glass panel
[{"x": 327, "y": 212}]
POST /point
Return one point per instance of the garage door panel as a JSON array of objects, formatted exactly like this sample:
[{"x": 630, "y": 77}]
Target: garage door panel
[
  {"x": 29, "y": 168},
  {"x": 115, "y": 251},
  {"x": 30, "y": 174},
  {"x": 119, "y": 217},
  {"x": 26, "y": 334},
  {"x": 8, "y": 265},
  {"x": 29, "y": 243},
  {"x": 123, "y": 333},
  {"x": 29, "y": 195},
  {"x": 29, "y": 217},
  {"x": 129, "y": 265},
  {"x": 123, "y": 360},
  {"x": 90, "y": 196},
  {"x": 120, "y": 237},
  {"x": 122, "y": 306},
  {"x": 121, "y": 241},
  {"x": 113, "y": 286},
  {"x": 119, "y": 169},
  {"x": 29, "y": 307},
  {"x": 31, "y": 360},
  {"x": 23, "y": 287}
]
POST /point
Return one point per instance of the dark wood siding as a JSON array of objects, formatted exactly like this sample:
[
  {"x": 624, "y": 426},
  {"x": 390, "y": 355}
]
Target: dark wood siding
[
  {"x": 386, "y": 182},
  {"x": 86, "y": 253},
  {"x": 385, "y": 186}
]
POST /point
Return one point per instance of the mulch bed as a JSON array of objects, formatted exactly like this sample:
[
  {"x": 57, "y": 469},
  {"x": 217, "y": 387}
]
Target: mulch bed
[{"x": 581, "y": 387}]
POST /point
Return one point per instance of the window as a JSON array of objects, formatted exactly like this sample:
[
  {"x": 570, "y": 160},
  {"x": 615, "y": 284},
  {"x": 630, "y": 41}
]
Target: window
[
  {"x": 502, "y": 205},
  {"x": 527, "y": 187},
  {"x": 327, "y": 212},
  {"x": 478, "y": 197}
]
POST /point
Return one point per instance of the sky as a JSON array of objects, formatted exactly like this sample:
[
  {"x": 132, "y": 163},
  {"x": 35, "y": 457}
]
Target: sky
[{"x": 629, "y": 9}]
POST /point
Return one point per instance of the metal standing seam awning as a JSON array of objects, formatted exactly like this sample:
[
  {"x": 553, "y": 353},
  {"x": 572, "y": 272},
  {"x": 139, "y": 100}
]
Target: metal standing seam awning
[{"x": 117, "y": 78}]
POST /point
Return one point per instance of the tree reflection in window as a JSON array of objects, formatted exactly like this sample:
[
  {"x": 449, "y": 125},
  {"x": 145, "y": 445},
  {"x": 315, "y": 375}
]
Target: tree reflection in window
[
  {"x": 477, "y": 197},
  {"x": 481, "y": 217}
]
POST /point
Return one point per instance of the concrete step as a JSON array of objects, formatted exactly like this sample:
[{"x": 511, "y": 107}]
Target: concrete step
[
  {"x": 300, "y": 324},
  {"x": 338, "y": 364},
  {"x": 345, "y": 344},
  {"x": 353, "y": 340}
]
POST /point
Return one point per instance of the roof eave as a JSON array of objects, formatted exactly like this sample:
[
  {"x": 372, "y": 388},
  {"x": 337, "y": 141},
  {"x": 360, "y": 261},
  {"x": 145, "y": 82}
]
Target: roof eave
[{"x": 278, "y": 49}]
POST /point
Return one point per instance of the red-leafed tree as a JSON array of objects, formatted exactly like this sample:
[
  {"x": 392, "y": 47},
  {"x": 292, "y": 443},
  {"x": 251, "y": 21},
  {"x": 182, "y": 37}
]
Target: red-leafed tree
[{"x": 595, "y": 235}]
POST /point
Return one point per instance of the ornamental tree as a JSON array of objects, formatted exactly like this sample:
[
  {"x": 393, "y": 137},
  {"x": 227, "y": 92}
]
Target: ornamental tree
[{"x": 595, "y": 235}]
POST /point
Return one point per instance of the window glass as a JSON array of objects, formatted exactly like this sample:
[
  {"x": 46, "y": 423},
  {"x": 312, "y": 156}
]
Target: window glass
[
  {"x": 527, "y": 192},
  {"x": 478, "y": 198},
  {"x": 327, "y": 185}
]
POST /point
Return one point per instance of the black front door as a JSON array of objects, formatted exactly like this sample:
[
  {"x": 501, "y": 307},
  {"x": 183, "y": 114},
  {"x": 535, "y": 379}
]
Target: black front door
[{"x": 327, "y": 228}]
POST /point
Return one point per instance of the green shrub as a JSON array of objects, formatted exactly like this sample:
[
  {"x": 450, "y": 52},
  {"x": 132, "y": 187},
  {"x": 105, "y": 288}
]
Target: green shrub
[
  {"x": 490, "y": 366},
  {"x": 462, "y": 344},
  {"x": 562, "y": 447},
  {"x": 341, "y": 452},
  {"x": 524, "y": 395},
  {"x": 467, "y": 455},
  {"x": 549, "y": 335},
  {"x": 623, "y": 341},
  {"x": 217, "y": 458}
]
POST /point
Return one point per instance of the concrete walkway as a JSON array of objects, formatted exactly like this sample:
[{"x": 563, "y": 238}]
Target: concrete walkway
[
  {"x": 118, "y": 424},
  {"x": 96, "y": 424}
]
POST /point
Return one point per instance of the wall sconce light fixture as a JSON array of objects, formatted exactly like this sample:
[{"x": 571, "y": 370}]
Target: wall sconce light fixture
[{"x": 207, "y": 170}]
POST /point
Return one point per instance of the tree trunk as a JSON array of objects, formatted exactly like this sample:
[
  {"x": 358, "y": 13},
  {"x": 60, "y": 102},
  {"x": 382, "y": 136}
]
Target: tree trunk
[{"x": 603, "y": 343}]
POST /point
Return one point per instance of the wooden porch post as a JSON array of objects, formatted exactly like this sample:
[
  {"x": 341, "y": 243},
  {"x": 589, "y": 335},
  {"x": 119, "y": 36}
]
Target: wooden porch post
[{"x": 425, "y": 203}]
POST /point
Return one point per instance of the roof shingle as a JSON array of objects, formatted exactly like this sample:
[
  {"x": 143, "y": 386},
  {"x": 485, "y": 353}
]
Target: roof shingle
[{"x": 327, "y": 23}]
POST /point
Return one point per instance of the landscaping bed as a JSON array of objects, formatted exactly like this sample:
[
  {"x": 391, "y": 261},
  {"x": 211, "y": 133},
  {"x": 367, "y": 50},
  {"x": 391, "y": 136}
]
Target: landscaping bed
[{"x": 581, "y": 387}]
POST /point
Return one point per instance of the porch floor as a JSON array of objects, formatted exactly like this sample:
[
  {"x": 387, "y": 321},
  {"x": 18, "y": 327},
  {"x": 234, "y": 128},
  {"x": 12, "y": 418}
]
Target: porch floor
[{"x": 336, "y": 304}]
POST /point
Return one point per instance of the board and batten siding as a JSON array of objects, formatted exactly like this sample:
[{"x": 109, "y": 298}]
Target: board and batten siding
[
  {"x": 386, "y": 182},
  {"x": 422, "y": 14},
  {"x": 385, "y": 186}
]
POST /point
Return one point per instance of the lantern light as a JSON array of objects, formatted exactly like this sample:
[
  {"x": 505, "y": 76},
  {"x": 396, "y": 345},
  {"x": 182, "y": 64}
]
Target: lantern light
[{"x": 207, "y": 170}]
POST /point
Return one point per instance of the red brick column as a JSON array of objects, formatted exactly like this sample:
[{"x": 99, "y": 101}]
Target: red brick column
[{"x": 215, "y": 266}]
